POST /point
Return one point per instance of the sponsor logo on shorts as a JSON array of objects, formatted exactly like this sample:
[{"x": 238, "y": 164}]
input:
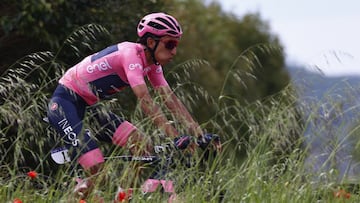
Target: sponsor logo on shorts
[{"x": 68, "y": 130}]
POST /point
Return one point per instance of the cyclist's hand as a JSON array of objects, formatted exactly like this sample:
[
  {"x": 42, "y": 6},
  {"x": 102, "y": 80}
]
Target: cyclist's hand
[
  {"x": 182, "y": 141},
  {"x": 207, "y": 139}
]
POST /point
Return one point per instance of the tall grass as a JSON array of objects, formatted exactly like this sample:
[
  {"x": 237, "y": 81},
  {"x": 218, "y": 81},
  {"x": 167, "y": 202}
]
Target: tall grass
[{"x": 266, "y": 142}]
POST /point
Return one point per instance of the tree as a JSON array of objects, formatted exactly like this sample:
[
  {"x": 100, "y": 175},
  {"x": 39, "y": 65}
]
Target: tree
[{"x": 29, "y": 26}]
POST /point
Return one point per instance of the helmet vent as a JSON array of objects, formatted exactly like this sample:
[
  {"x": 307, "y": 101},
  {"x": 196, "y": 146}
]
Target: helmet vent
[
  {"x": 156, "y": 25},
  {"x": 174, "y": 23},
  {"x": 166, "y": 22},
  {"x": 172, "y": 32}
]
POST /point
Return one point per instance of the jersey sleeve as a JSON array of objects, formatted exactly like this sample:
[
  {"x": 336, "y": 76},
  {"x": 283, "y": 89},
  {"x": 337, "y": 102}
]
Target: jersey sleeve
[
  {"x": 156, "y": 77},
  {"x": 133, "y": 68}
]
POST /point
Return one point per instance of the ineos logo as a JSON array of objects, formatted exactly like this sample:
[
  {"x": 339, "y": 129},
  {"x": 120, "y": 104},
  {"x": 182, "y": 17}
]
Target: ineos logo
[
  {"x": 68, "y": 130},
  {"x": 133, "y": 66}
]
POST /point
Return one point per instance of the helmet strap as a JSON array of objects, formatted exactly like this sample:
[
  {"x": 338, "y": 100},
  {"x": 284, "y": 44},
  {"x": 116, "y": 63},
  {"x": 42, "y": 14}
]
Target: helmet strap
[{"x": 152, "y": 51}]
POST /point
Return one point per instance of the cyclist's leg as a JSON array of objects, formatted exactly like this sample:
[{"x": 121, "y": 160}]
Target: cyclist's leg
[
  {"x": 127, "y": 134},
  {"x": 120, "y": 132},
  {"x": 66, "y": 112}
]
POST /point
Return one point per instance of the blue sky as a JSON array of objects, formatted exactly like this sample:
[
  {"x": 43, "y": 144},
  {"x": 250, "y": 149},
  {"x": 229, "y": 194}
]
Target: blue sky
[{"x": 322, "y": 34}]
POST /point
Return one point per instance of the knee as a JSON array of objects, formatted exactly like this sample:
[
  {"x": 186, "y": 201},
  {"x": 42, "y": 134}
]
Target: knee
[
  {"x": 91, "y": 159},
  {"x": 122, "y": 134}
]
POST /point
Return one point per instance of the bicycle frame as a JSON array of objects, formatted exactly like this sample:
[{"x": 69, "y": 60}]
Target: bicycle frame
[{"x": 61, "y": 156}]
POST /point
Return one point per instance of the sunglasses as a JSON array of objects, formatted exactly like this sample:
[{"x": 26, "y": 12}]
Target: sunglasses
[{"x": 170, "y": 44}]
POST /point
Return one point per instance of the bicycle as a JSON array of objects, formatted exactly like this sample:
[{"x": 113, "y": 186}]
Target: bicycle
[
  {"x": 162, "y": 161},
  {"x": 163, "y": 164}
]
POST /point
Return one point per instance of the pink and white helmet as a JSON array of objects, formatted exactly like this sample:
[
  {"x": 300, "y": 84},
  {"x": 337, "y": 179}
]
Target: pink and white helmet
[{"x": 159, "y": 24}]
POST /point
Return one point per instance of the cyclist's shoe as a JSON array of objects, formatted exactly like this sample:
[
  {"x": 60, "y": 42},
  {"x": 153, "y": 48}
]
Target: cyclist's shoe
[
  {"x": 172, "y": 198},
  {"x": 82, "y": 188},
  {"x": 182, "y": 142},
  {"x": 151, "y": 185},
  {"x": 123, "y": 195}
]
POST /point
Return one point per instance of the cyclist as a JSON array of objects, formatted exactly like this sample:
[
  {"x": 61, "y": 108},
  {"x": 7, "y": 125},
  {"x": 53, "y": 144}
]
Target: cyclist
[{"x": 107, "y": 72}]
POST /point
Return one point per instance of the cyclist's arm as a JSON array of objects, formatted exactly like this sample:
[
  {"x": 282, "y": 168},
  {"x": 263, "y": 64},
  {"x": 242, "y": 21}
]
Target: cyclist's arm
[
  {"x": 153, "y": 110},
  {"x": 178, "y": 109}
]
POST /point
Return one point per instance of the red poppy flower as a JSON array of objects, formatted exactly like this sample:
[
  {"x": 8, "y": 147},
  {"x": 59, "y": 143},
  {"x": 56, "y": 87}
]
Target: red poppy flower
[
  {"x": 121, "y": 196},
  {"x": 124, "y": 195},
  {"x": 32, "y": 174},
  {"x": 17, "y": 200},
  {"x": 342, "y": 194},
  {"x": 82, "y": 201}
]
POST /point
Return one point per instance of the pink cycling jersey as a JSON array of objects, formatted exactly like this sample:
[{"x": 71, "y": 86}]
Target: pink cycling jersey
[{"x": 110, "y": 70}]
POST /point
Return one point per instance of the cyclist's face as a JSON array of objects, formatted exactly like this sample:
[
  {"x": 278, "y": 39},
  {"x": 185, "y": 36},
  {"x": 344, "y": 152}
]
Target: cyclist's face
[{"x": 166, "y": 49}]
